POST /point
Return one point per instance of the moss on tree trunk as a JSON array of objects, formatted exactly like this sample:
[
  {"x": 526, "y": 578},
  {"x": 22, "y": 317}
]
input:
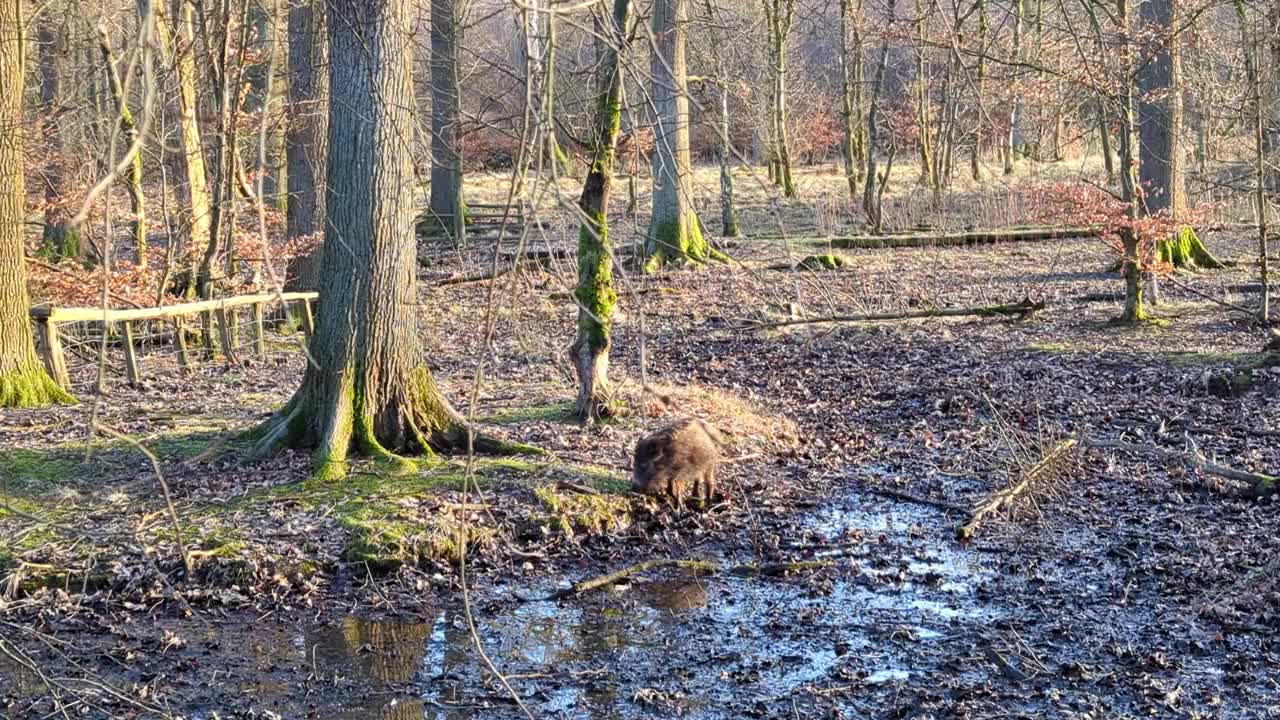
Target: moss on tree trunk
[
  {"x": 595, "y": 295},
  {"x": 23, "y": 380},
  {"x": 366, "y": 389}
]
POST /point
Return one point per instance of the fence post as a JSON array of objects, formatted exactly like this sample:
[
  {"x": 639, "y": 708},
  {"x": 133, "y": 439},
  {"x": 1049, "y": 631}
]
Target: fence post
[
  {"x": 131, "y": 369},
  {"x": 225, "y": 317},
  {"x": 51, "y": 353},
  {"x": 180, "y": 339},
  {"x": 259, "y": 332},
  {"x": 308, "y": 320}
]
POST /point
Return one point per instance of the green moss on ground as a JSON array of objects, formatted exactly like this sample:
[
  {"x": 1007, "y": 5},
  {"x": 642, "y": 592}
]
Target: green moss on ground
[{"x": 573, "y": 512}]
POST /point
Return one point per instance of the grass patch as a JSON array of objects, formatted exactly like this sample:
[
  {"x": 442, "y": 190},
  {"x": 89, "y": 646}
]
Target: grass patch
[
  {"x": 552, "y": 412},
  {"x": 32, "y": 472}
]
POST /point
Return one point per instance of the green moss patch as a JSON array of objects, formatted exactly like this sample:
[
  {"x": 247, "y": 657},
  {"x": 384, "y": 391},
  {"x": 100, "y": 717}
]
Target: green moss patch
[
  {"x": 572, "y": 512},
  {"x": 824, "y": 263}
]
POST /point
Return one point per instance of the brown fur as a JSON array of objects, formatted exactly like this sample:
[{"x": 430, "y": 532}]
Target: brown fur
[{"x": 680, "y": 457}]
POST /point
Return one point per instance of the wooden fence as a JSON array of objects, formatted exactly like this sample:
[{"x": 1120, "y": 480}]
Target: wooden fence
[{"x": 82, "y": 331}]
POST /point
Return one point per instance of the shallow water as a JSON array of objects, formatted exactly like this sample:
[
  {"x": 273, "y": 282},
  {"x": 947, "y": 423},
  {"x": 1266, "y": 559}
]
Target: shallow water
[{"x": 704, "y": 647}]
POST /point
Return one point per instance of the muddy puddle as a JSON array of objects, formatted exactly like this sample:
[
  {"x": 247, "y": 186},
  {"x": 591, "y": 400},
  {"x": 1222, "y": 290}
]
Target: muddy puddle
[{"x": 675, "y": 645}]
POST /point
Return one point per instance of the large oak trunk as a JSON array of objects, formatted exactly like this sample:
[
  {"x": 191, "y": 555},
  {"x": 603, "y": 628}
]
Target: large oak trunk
[
  {"x": 366, "y": 387},
  {"x": 23, "y": 380}
]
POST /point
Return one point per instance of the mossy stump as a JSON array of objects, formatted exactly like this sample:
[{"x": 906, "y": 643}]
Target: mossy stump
[{"x": 1186, "y": 251}]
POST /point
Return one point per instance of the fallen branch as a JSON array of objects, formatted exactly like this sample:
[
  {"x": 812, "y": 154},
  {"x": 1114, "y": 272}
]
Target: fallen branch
[
  {"x": 1210, "y": 298},
  {"x": 974, "y": 237},
  {"x": 1259, "y": 485},
  {"x": 1002, "y": 499},
  {"x": 1022, "y": 309}
]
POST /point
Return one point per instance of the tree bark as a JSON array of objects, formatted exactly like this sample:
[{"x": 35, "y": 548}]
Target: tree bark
[
  {"x": 307, "y": 134},
  {"x": 60, "y": 238},
  {"x": 446, "y": 140},
  {"x": 855, "y": 131},
  {"x": 975, "y": 164},
  {"x": 779, "y": 16},
  {"x": 23, "y": 380},
  {"x": 177, "y": 44},
  {"x": 1014, "y": 137},
  {"x": 367, "y": 388},
  {"x": 595, "y": 294},
  {"x": 674, "y": 231},
  {"x": 1160, "y": 113}
]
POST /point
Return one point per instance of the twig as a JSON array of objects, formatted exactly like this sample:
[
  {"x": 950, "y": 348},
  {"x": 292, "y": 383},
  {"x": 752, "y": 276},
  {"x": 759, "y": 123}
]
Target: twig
[{"x": 164, "y": 488}]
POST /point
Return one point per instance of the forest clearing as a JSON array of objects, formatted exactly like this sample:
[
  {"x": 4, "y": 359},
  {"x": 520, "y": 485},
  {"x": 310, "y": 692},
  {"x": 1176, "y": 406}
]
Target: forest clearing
[{"x": 487, "y": 359}]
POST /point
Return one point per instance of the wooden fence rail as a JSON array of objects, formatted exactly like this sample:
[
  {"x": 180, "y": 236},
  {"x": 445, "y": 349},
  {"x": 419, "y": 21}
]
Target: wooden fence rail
[{"x": 223, "y": 310}]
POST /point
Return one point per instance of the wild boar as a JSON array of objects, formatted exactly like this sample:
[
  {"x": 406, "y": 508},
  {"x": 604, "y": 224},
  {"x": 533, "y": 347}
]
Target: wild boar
[{"x": 678, "y": 458}]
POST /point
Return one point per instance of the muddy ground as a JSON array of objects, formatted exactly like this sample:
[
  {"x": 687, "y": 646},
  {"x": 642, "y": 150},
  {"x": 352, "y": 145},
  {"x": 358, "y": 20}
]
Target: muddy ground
[{"x": 1122, "y": 587}]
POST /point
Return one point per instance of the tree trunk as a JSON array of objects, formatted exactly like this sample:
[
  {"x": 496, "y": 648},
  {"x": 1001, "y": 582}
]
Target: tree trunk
[
  {"x": 975, "y": 166},
  {"x": 367, "y": 388},
  {"x": 855, "y": 139},
  {"x": 307, "y": 134},
  {"x": 1160, "y": 113},
  {"x": 129, "y": 133},
  {"x": 923, "y": 123},
  {"x": 595, "y": 294},
  {"x": 674, "y": 232},
  {"x": 872, "y": 191},
  {"x": 780, "y": 15},
  {"x": 1104, "y": 136},
  {"x": 177, "y": 42},
  {"x": 61, "y": 238},
  {"x": 23, "y": 380},
  {"x": 446, "y": 140},
  {"x": 1136, "y": 254},
  {"x": 728, "y": 206},
  {"x": 1014, "y": 137}
]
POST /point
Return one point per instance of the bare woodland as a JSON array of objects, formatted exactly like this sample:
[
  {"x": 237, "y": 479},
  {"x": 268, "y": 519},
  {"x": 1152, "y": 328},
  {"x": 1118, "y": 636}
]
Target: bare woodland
[{"x": 639, "y": 358}]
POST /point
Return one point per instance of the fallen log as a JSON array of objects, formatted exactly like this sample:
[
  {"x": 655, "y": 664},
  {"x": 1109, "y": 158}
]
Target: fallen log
[
  {"x": 1257, "y": 485},
  {"x": 971, "y": 237},
  {"x": 1038, "y": 472},
  {"x": 1021, "y": 309}
]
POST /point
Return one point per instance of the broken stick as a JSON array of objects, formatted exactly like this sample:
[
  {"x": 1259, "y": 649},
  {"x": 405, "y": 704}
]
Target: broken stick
[{"x": 1002, "y": 499}]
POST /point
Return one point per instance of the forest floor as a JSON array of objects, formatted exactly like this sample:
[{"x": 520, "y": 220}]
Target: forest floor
[{"x": 1124, "y": 587}]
